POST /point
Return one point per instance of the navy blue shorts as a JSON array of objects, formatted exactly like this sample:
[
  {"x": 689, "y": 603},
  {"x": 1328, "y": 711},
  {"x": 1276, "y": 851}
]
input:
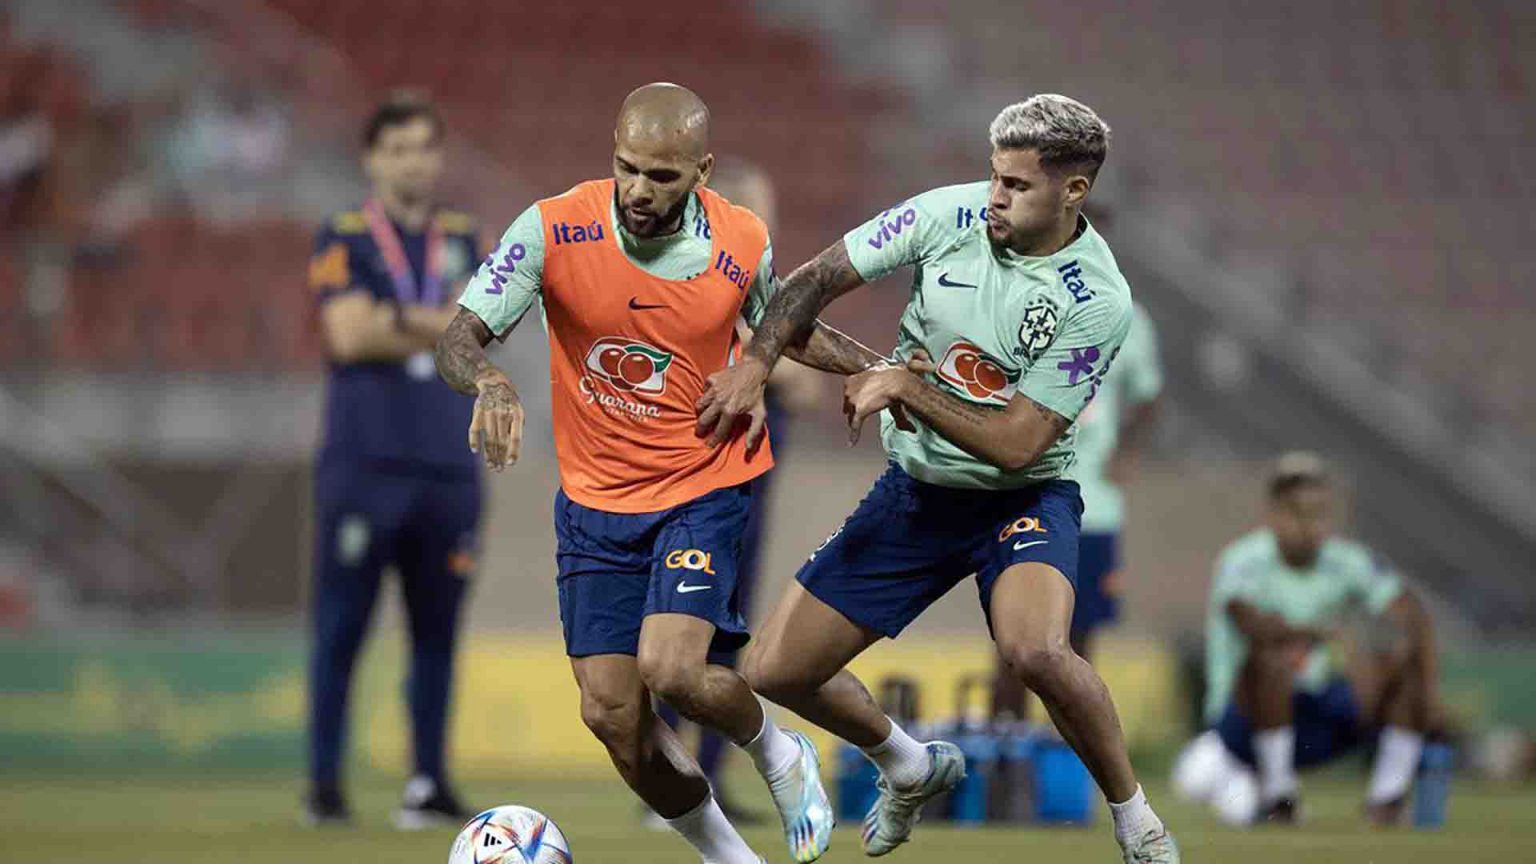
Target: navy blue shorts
[
  {"x": 617, "y": 568},
  {"x": 1098, "y": 582},
  {"x": 909, "y": 542},
  {"x": 1327, "y": 726}
]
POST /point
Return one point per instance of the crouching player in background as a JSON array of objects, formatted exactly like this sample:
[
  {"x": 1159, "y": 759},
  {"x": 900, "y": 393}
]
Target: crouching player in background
[{"x": 1276, "y": 700}]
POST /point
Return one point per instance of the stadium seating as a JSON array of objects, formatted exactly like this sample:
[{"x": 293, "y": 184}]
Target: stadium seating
[
  {"x": 533, "y": 85},
  {"x": 1375, "y": 152}
]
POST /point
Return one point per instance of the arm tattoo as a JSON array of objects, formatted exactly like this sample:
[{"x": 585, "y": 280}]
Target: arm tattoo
[
  {"x": 789, "y": 316},
  {"x": 461, "y": 352},
  {"x": 831, "y": 350},
  {"x": 929, "y": 402}
]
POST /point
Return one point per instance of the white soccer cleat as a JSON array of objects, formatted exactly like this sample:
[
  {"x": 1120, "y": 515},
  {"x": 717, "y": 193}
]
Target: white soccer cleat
[
  {"x": 803, "y": 804},
  {"x": 889, "y": 822},
  {"x": 1154, "y": 847}
]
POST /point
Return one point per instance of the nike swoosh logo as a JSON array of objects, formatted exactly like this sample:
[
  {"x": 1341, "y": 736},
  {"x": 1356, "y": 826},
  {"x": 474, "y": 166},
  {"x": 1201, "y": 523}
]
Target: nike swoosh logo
[
  {"x": 685, "y": 588},
  {"x": 634, "y": 303},
  {"x": 944, "y": 281},
  {"x": 1022, "y": 545}
]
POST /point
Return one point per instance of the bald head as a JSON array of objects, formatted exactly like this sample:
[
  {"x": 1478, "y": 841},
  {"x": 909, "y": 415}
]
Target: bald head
[
  {"x": 660, "y": 153},
  {"x": 665, "y": 117}
]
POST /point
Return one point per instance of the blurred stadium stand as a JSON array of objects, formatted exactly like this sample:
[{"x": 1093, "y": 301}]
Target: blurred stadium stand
[{"x": 1324, "y": 209}]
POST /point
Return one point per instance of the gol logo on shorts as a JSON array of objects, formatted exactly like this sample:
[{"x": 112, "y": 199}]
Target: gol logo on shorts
[
  {"x": 689, "y": 559},
  {"x": 1022, "y": 525}
]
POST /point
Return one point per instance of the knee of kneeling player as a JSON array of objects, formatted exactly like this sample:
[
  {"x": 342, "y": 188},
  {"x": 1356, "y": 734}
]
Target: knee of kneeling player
[{"x": 1039, "y": 664}]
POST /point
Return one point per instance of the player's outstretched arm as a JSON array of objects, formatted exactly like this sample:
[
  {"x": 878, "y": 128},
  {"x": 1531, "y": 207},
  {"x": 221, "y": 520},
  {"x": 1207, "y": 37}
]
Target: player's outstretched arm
[
  {"x": 789, "y": 320},
  {"x": 1010, "y": 438},
  {"x": 496, "y": 429}
]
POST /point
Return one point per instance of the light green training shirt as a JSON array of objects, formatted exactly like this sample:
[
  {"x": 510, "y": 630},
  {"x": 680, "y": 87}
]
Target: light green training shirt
[
  {"x": 1346, "y": 576},
  {"x": 1136, "y": 379},
  {"x": 996, "y": 323},
  {"x": 683, "y": 254}
]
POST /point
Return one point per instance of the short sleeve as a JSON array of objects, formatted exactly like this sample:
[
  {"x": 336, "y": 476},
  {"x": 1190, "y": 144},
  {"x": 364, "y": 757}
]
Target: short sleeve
[
  {"x": 1231, "y": 581},
  {"x": 1376, "y": 583},
  {"x": 765, "y": 284},
  {"x": 902, "y": 235},
  {"x": 509, "y": 280},
  {"x": 330, "y": 265},
  {"x": 1141, "y": 366},
  {"x": 1070, "y": 370}
]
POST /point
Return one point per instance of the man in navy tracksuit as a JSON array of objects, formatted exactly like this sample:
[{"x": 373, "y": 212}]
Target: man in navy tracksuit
[{"x": 395, "y": 484}]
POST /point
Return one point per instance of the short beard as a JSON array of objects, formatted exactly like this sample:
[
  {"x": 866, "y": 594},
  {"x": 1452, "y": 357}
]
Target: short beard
[{"x": 661, "y": 229}]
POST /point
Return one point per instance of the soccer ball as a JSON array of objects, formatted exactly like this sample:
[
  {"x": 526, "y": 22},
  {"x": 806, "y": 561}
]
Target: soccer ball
[{"x": 510, "y": 835}]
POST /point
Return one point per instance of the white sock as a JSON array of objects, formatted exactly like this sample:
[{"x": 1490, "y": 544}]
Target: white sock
[
  {"x": 902, "y": 760},
  {"x": 707, "y": 829},
  {"x": 773, "y": 752},
  {"x": 1276, "y": 750},
  {"x": 1134, "y": 818},
  {"x": 1397, "y": 758}
]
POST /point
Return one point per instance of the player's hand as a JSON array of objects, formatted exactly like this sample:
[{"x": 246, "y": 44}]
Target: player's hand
[
  {"x": 758, "y": 428},
  {"x": 875, "y": 389},
  {"x": 918, "y": 364},
  {"x": 728, "y": 395},
  {"x": 496, "y": 429}
]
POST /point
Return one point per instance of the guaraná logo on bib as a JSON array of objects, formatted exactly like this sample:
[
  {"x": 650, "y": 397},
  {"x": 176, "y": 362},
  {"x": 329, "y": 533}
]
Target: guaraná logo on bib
[
  {"x": 629, "y": 365},
  {"x": 973, "y": 372}
]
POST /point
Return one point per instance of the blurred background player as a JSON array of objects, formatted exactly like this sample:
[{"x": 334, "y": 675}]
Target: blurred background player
[
  {"x": 1110, "y": 432},
  {"x": 649, "y": 516},
  {"x": 793, "y": 389},
  {"x": 1277, "y": 696},
  {"x": 394, "y": 485}
]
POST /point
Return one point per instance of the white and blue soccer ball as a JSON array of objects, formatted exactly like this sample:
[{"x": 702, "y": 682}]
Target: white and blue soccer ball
[{"x": 510, "y": 834}]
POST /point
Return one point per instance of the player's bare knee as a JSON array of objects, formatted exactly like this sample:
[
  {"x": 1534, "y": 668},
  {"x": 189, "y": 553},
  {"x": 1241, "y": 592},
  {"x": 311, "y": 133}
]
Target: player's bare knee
[
  {"x": 1037, "y": 663},
  {"x": 670, "y": 677},
  {"x": 777, "y": 682},
  {"x": 614, "y": 720}
]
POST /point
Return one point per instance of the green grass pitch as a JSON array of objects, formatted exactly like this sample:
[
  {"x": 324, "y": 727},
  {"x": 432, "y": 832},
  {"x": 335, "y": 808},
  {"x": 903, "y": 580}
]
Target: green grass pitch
[{"x": 252, "y": 820}]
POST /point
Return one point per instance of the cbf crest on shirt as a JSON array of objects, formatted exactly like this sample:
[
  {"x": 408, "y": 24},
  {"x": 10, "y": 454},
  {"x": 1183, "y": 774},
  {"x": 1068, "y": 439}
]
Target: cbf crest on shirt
[{"x": 996, "y": 324}]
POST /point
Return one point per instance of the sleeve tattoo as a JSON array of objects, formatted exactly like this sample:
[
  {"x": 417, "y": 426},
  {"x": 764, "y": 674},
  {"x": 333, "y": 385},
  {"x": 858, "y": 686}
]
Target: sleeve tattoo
[
  {"x": 790, "y": 316},
  {"x": 461, "y": 352}
]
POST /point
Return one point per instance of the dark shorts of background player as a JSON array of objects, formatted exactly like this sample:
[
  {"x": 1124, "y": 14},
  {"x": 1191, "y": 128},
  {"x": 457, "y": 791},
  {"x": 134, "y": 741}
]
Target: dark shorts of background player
[
  {"x": 1328, "y": 724},
  {"x": 909, "y": 542},
  {"x": 617, "y": 568},
  {"x": 1098, "y": 576}
]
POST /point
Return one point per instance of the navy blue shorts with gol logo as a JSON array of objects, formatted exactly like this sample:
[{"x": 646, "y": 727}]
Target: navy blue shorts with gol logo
[
  {"x": 617, "y": 568},
  {"x": 909, "y": 542}
]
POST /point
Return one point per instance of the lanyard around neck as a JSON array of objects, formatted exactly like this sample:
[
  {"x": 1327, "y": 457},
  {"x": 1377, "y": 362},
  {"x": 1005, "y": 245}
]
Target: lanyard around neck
[{"x": 430, "y": 291}]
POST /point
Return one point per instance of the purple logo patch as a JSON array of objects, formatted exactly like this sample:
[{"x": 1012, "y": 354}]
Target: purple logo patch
[
  {"x": 1081, "y": 364},
  {"x": 502, "y": 272}
]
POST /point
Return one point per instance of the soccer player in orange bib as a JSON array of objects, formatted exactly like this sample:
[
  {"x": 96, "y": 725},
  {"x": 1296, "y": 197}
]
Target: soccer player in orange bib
[{"x": 642, "y": 280}]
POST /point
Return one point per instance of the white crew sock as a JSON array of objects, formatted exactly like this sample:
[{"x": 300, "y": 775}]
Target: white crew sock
[
  {"x": 1276, "y": 751},
  {"x": 1397, "y": 758},
  {"x": 707, "y": 829},
  {"x": 1134, "y": 818},
  {"x": 773, "y": 752},
  {"x": 902, "y": 760}
]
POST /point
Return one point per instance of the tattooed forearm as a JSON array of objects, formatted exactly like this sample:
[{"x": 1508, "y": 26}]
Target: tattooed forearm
[
  {"x": 831, "y": 350},
  {"x": 461, "y": 352},
  {"x": 1011, "y": 438},
  {"x": 931, "y": 403},
  {"x": 789, "y": 316}
]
